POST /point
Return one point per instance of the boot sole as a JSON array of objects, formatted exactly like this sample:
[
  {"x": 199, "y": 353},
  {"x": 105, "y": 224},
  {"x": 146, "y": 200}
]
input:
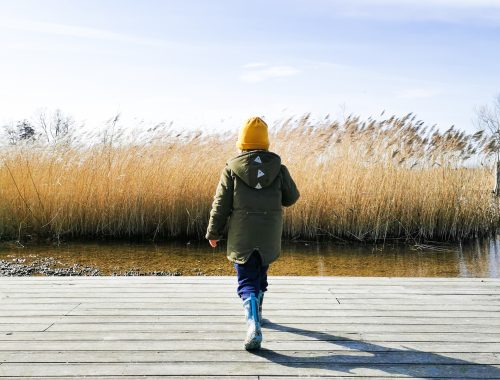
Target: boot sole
[{"x": 253, "y": 345}]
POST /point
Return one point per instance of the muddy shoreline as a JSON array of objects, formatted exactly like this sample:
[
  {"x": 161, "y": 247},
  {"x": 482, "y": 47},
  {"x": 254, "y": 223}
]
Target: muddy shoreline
[{"x": 50, "y": 266}]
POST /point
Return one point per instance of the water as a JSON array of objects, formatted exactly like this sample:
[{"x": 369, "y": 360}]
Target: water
[{"x": 480, "y": 258}]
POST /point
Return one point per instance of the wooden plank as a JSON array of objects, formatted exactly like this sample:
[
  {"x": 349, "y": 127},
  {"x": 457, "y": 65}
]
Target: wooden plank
[
  {"x": 303, "y": 356},
  {"x": 275, "y": 306},
  {"x": 9, "y": 327},
  {"x": 410, "y": 301},
  {"x": 259, "y": 369},
  {"x": 233, "y": 304},
  {"x": 236, "y": 310},
  {"x": 216, "y": 293},
  {"x": 230, "y": 310},
  {"x": 493, "y": 323},
  {"x": 212, "y": 344},
  {"x": 110, "y": 286},
  {"x": 355, "y": 376},
  {"x": 169, "y": 377},
  {"x": 271, "y": 336},
  {"x": 233, "y": 299},
  {"x": 275, "y": 281},
  {"x": 157, "y": 282},
  {"x": 356, "y": 279},
  {"x": 480, "y": 333},
  {"x": 227, "y": 291},
  {"x": 223, "y": 377},
  {"x": 7, "y": 307},
  {"x": 196, "y": 297},
  {"x": 231, "y": 290},
  {"x": 278, "y": 285},
  {"x": 490, "y": 295},
  {"x": 459, "y": 337},
  {"x": 218, "y": 326},
  {"x": 339, "y": 377}
]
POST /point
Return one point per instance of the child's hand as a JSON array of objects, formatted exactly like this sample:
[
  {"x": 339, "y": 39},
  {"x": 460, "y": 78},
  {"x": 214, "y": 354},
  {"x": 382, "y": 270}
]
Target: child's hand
[{"x": 213, "y": 243}]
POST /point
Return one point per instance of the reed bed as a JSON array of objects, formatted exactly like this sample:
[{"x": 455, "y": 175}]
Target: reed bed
[{"x": 360, "y": 180}]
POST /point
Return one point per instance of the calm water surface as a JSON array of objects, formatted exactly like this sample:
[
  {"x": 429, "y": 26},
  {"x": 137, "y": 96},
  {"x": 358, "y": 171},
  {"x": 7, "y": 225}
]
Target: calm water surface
[{"x": 480, "y": 258}]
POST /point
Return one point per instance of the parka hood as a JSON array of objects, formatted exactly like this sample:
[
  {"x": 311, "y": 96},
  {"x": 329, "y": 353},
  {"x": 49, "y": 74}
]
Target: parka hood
[{"x": 257, "y": 168}]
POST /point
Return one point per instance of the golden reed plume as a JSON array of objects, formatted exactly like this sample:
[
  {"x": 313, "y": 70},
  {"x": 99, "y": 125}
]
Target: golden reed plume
[{"x": 359, "y": 180}]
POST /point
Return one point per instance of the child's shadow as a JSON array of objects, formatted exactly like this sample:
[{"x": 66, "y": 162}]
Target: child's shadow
[{"x": 415, "y": 363}]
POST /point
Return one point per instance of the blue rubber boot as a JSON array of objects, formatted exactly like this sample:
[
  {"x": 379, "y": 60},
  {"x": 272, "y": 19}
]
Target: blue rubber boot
[
  {"x": 254, "y": 333},
  {"x": 260, "y": 298}
]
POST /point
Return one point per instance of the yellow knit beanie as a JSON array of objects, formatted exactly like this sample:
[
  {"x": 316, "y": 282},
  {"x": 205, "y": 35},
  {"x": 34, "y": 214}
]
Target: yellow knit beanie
[{"x": 253, "y": 135}]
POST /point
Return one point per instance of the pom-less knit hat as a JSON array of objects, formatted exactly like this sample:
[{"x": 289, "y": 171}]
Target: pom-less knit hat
[{"x": 253, "y": 135}]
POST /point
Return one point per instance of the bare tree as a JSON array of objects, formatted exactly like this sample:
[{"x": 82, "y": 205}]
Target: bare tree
[
  {"x": 56, "y": 127},
  {"x": 22, "y": 131},
  {"x": 26, "y": 130},
  {"x": 488, "y": 120}
]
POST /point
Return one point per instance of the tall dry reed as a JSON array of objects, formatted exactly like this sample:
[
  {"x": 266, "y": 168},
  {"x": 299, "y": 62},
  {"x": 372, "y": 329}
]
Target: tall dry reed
[{"x": 359, "y": 180}]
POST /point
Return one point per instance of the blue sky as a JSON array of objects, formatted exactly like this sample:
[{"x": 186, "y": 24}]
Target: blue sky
[{"x": 199, "y": 62}]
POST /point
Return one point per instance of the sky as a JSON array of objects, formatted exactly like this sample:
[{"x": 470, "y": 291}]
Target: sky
[{"x": 213, "y": 64}]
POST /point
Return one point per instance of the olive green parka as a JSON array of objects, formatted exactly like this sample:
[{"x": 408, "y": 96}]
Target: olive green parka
[{"x": 251, "y": 192}]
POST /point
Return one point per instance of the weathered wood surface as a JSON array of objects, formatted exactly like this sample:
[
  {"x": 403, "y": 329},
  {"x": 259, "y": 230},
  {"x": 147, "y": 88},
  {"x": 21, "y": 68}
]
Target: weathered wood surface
[{"x": 193, "y": 327}]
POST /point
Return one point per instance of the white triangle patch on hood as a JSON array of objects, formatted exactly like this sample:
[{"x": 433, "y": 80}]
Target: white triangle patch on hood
[{"x": 257, "y": 170}]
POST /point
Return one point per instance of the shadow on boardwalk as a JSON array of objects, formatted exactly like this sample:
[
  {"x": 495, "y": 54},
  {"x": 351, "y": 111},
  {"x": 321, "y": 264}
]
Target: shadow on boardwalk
[{"x": 414, "y": 363}]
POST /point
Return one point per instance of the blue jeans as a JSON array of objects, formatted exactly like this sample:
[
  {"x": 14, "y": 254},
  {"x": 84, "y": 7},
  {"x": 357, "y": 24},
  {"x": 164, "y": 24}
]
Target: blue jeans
[{"x": 252, "y": 276}]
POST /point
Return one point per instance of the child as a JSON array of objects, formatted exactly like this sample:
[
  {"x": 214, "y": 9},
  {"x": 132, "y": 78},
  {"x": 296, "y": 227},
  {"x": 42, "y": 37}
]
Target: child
[{"x": 252, "y": 188}]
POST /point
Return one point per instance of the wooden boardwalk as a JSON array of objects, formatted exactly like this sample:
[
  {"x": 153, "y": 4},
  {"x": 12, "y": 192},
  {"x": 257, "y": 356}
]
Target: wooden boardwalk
[{"x": 193, "y": 327}]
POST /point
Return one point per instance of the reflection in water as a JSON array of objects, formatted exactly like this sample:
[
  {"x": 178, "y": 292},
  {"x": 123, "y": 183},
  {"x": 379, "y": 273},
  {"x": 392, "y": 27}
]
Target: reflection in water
[
  {"x": 463, "y": 272},
  {"x": 493, "y": 257},
  {"x": 480, "y": 258}
]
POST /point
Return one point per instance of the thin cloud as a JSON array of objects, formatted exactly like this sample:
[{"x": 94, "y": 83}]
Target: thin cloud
[
  {"x": 77, "y": 31},
  {"x": 254, "y": 73},
  {"x": 254, "y": 65}
]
